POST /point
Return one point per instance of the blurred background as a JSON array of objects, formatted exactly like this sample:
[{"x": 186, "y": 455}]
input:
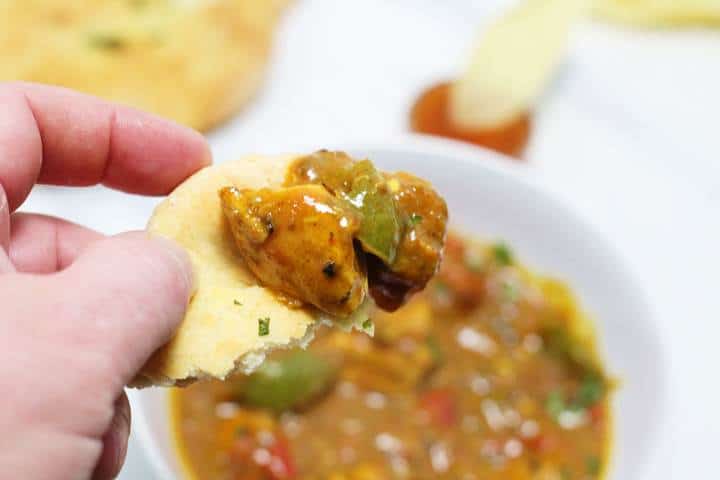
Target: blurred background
[{"x": 625, "y": 130}]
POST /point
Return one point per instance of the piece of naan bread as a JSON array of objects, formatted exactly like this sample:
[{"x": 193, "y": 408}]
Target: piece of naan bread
[
  {"x": 660, "y": 13},
  {"x": 193, "y": 61},
  {"x": 220, "y": 332}
]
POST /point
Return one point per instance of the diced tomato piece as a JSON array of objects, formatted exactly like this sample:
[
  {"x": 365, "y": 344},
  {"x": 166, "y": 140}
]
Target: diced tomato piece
[
  {"x": 541, "y": 443},
  {"x": 597, "y": 413},
  {"x": 441, "y": 406},
  {"x": 282, "y": 465}
]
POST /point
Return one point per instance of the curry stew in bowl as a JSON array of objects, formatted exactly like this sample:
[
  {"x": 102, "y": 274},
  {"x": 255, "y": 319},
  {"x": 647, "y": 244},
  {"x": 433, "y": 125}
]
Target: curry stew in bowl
[{"x": 490, "y": 373}]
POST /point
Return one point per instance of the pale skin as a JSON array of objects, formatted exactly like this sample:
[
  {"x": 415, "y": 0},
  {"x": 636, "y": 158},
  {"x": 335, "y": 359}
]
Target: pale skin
[{"x": 80, "y": 313}]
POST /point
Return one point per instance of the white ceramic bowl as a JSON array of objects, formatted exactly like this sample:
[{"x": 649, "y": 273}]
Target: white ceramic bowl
[{"x": 492, "y": 197}]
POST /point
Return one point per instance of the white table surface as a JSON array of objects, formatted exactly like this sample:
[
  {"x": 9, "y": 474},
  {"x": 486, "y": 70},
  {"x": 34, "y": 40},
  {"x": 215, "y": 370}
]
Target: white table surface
[{"x": 629, "y": 133}]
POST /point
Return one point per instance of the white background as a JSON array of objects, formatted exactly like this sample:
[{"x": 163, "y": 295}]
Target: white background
[{"x": 628, "y": 133}]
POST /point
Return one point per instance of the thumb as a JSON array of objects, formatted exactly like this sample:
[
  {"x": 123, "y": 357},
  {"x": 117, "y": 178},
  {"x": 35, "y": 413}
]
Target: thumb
[{"x": 130, "y": 292}]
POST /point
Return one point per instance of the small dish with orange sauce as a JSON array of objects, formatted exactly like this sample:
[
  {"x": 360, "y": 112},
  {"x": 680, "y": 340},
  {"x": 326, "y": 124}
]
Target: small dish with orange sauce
[
  {"x": 431, "y": 115},
  {"x": 491, "y": 102}
]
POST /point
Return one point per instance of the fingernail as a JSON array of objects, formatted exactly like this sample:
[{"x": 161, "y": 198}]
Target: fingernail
[
  {"x": 117, "y": 441},
  {"x": 124, "y": 432},
  {"x": 207, "y": 154},
  {"x": 4, "y": 220}
]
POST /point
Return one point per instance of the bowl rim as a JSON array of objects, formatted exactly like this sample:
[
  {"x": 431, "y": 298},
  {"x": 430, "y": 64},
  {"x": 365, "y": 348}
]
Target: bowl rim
[{"x": 519, "y": 172}]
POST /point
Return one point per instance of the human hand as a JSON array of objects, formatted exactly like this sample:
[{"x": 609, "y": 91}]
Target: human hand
[{"x": 80, "y": 313}]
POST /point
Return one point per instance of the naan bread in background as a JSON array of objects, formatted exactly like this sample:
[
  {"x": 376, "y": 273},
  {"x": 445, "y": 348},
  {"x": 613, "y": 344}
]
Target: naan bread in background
[
  {"x": 661, "y": 13},
  {"x": 194, "y": 61}
]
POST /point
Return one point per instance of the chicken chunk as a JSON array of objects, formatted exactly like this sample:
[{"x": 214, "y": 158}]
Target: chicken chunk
[{"x": 299, "y": 241}]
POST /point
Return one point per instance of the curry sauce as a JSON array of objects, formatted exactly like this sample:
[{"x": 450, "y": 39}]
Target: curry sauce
[
  {"x": 490, "y": 373},
  {"x": 338, "y": 229}
]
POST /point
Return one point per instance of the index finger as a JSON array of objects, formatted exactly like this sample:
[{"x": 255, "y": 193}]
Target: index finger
[{"x": 56, "y": 136}]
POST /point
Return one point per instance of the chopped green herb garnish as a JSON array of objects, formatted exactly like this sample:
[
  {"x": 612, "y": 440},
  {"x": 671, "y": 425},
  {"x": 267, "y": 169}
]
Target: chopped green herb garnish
[
  {"x": 264, "y": 326},
  {"x": 555, "y": 403},
  {"x": 367, "y": 324},
  {"x": 435, "y": 350},
  {"x": 106, "y": 41},
  {"x": 592, "y": 464},
  {"x": 560, "y": 343},
  {"x": 415, "y": 219},
  {"x": 237, "y": 302},
  {"x": 441, "y": 292},
  {"x": 510, "y": 291},
  {"x": 502, "y": 253},
  {"x": 591, "y": 391}
]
